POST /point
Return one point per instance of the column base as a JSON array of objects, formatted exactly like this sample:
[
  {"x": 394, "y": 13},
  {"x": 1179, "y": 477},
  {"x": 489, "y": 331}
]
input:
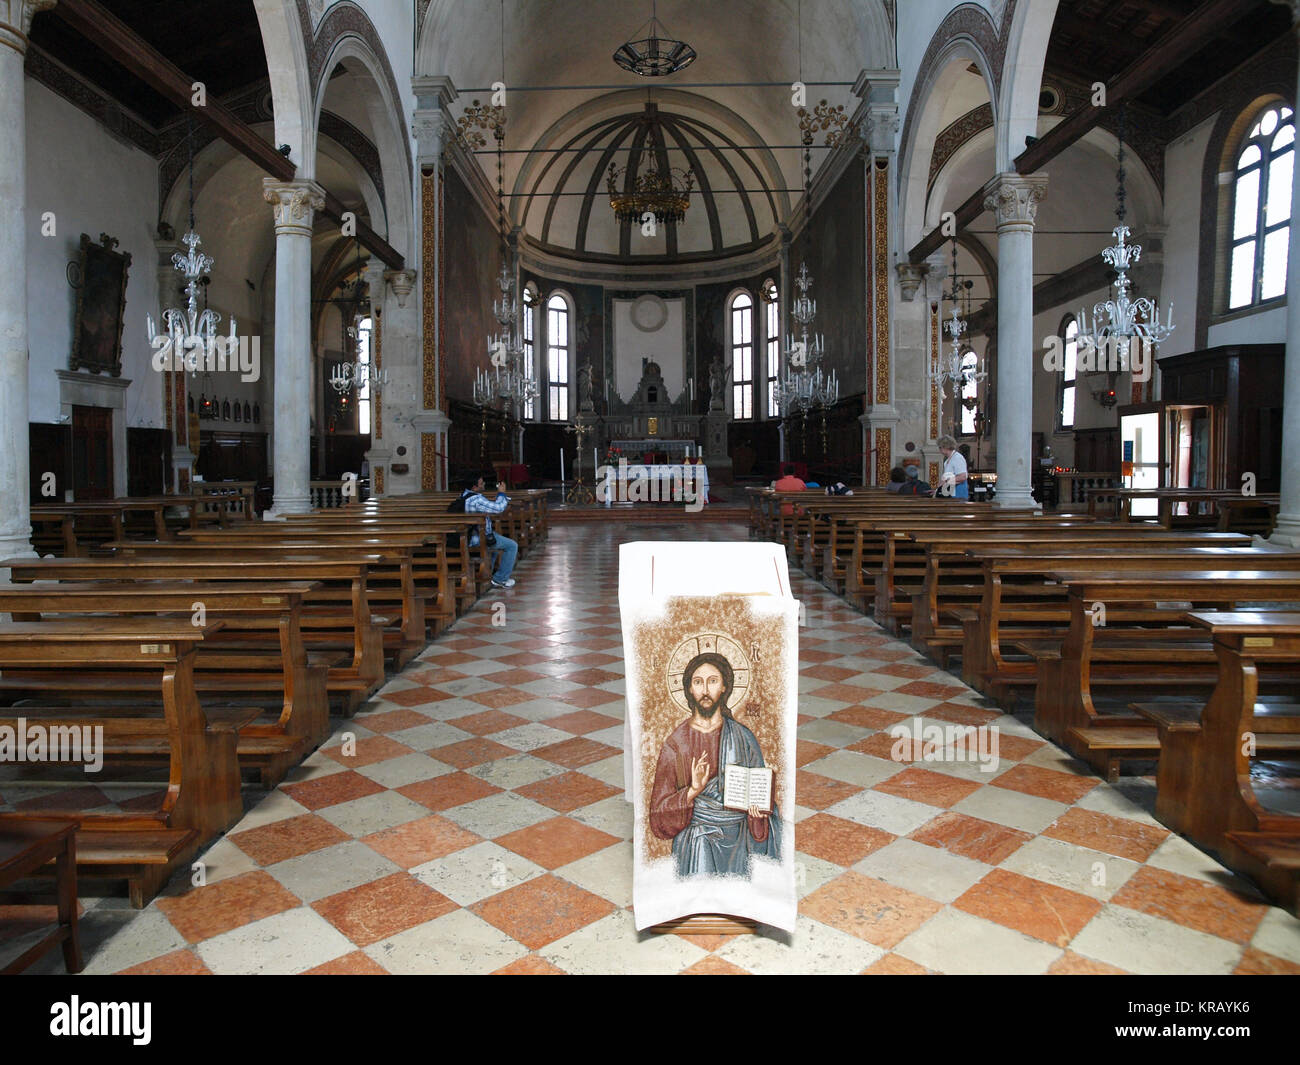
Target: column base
[
  {"x": 1286, "y": 535},
  {"x": 283, "y": 505},
  {"x": 15, "y": 547},
  {"x": 1016, "y": 499}
]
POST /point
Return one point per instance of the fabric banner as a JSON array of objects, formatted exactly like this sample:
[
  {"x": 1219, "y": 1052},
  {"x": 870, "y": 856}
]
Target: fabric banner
[{"x": 710, "y": 632}]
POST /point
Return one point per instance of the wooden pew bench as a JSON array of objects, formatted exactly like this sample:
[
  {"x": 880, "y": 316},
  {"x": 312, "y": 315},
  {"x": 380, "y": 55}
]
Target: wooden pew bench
[{"x": 201, "y": 796}]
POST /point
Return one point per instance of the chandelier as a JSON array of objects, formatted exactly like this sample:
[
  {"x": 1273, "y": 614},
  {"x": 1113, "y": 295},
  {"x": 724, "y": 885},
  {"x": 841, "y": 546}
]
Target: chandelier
[
  {"x": 1116, "y": 324},
  {"x": 803, "y": 384},
  {"x": 189, "y": 333},
  {"x": 664, "y": 193},
  {"x": 952, "y": 369},
  {"x": 657, "y": 54},
  {"x": 507, "y": 379},
  {"x": 360, "y": 373}
]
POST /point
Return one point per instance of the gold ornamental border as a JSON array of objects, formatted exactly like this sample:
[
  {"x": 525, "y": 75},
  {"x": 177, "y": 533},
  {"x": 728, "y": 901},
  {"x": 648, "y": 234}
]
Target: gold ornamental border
[{"x": 880, "y": 234}]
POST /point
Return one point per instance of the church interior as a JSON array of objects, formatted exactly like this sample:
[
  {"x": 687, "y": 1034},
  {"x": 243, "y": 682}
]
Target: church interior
[{"x": 977, "y": 311}]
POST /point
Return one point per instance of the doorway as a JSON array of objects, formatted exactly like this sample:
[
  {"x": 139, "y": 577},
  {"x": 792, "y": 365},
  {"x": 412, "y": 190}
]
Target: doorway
[{"x": 92, "y": 453}]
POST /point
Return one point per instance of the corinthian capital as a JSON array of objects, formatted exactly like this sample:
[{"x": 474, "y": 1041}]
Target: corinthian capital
[
  {"x": 16, "y": 21},
  {"x": 432, "y": 130},
  {"x": 295, "y": 203},
  {"x": 1014, "y": 198}
]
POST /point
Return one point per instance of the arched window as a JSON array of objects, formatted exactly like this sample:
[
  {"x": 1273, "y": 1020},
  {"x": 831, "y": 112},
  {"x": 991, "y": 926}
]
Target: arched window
[
  {"x": 1261, "y": 210},
  {"x": 1066, "y": 395},
  {"x": 772, "y": 342},
  {"x": 968, "y": 399},
  {"x": 742, "y": 356},
  {"x": 364, "y": 333},
  {"x": 530, "y": 346},
  {"x": 559, "y": 347}
]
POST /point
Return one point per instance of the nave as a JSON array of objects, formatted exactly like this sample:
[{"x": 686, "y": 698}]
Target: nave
[{"x": 479, "y": 825}]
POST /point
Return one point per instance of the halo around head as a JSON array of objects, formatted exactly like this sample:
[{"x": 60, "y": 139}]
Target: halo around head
[{"x": 702, "y": 643}]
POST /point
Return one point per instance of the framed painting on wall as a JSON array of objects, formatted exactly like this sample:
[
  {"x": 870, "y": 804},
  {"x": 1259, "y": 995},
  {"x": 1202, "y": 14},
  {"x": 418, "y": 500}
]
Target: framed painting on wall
[{"x": 101, "y": 307}]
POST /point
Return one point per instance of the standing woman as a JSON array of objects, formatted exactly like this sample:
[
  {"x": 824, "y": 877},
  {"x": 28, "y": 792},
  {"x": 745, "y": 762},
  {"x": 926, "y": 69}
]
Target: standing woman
[{"x": 952, "y": 482}]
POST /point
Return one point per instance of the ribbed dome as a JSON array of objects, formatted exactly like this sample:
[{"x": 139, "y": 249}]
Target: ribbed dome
[{"x": 732, "y": 207}]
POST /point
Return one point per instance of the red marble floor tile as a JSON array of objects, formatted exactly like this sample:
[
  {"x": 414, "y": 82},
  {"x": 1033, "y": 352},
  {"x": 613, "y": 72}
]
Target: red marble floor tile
[
  {"x": 448, "y": 790},
  {"x": 580, "y": 722},
  {"x": 590, "y": 676},
  {"x": 367, "y": 751},
  {"x": 1017, "y": 748},
  {"x": 331, "y": 790},
  {"x": 540, "y": 911},
  {"x": 1209, "y": 908},
  {"x": 568, "y": 791},
  {"x": 906, "y": 669},
  {"x": 970, "y": 837},
  {"x": 576, "y": 752},
  {"x": 421, "y": 696},
  {"x": 514, "y": 676},
  {"x": 530, "y": 965},
  {"x": 928, "y": 689},
  {"x": 1046, "y": 783},
  {"x": 1256, "y": 962},
  {"x": 927, "y": 786},
  {"x": 869, "y": 909},
  {"x": 883, "y": 745},
  {"x": 524, "y": 658},
  {"x": 463, "y": 643},
  {"x": 143, "y": 804},
  {"x": 85, "y": 797},
  {"x": 853, "y": 694},
  {"x": 594, "y": 658},
  {"x": 806, "y": 751},
  {"x": 817, "y": 792},
  {"x": 838, "y": 840},
  {"x": 1044, "y": 911},
  {"x": 708, "y": 941},
  {"x": 440, "y": 673},
  {"x": 382, "y": 908},
  {"x": 177, "y": 963},
  {"x": 289, "y": 838},
  {"x": 204, "y": 912},
  {"x": 867, "y": 716},
  {"x": 589, "y": 697},
  {"x": 1112, "y": 835},
  {"x": 499, "y": 698},
  {"x": 1071, "y": 964},
  {"x": 960, "y": 714},
  {"x": 810, "y": 656},
  {"x": 830, "y": 673},
  {"x": 714, "y": 966},
  {"x": 896, "y": 965},
  {"x": 487, "y": 722},
  {"x": 358, "y": 963},
  {"x": 556, "y": 842},
  {"x": 468, "y": 753},
  {"x": 417, "y": 842},
  {"x": 391, "y": 720}
]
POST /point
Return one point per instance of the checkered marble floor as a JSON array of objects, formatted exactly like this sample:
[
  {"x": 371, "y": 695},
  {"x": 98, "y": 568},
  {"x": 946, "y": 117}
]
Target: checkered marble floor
[{"x": 470, "y": 819}]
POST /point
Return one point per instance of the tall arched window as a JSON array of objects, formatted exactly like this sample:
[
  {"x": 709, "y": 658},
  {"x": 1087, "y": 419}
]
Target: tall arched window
[
  {"x": 968, "y": 399},
  {"x": 742, "y": 356},
  {"x": 772, "y": 342},
  {"x": 1261, "y": 210},
  {"x": 530, "y": 346},
  {"x": 364, "y": 334},
  {"x": 1065, "y": 406},
  {"x": 558, "y": 348}
]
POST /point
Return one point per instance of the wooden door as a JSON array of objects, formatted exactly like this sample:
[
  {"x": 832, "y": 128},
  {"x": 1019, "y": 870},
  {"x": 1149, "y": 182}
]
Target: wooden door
[{"x": 92, "y": 453}]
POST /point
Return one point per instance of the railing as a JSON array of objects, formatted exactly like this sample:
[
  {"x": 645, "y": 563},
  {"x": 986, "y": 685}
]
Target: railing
[
  {"x": 328, "y": 495},
  {"x": 1075, "y": 485}
]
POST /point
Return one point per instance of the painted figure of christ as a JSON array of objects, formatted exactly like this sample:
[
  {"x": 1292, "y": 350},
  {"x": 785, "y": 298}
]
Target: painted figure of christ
[{"x": 686, "y": 802}]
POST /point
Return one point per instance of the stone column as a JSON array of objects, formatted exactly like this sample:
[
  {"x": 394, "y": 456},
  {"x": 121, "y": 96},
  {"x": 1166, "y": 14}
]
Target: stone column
[
  {"x": 432, "y": 128},
  {"x": 295, "y": 204},
  {"x": 15, "y": 486},
  {"x": 378, "y": 455},
  {"x": 1287, "y": 533},
  {"x": 1014, "y": 199}
]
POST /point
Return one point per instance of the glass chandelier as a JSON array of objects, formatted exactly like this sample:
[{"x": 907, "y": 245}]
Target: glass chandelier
[
  {"x": 951, "y": 369},
  {"x": 360, "y": 373},
  {"x": 803, "y": 384},
  {"x": 1117, "y": 324}
]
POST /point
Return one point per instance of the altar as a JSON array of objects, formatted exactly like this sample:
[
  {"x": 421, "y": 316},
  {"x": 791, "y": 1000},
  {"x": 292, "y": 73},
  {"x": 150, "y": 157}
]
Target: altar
[{"x": 626, "y": 482}]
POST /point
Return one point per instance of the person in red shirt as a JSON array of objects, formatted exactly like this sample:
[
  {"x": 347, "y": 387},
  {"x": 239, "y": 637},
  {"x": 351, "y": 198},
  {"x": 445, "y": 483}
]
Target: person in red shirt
[{"x": 788, "y": 482}]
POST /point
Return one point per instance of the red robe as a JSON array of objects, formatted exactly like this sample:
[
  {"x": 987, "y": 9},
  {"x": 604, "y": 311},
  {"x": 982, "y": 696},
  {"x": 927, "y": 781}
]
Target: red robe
[{"x": 670, "y": 810}]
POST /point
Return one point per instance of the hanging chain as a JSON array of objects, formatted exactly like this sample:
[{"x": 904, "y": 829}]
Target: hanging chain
[
  {"x": 1120, "y": 208},
  {"x": 189, "y": 144}
]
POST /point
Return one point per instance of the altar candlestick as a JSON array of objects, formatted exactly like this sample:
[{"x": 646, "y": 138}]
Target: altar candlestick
[{"x": 561, "y": 465}]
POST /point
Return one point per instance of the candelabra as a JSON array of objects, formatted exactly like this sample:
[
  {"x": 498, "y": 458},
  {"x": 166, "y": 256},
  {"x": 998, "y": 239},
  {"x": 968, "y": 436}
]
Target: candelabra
[{"x": 803, "y": 385}]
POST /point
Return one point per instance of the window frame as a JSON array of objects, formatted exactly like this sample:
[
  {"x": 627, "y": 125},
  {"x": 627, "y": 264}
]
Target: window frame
[
  {"x": 530, "y": 303},
  {"x": 742, "y": 385},
  {"x": 1261, "y": 230},
  {"x": 770, "y": 300},
  {"x": 558, "y": 390},
  {"x": 1069, "y": 379}
]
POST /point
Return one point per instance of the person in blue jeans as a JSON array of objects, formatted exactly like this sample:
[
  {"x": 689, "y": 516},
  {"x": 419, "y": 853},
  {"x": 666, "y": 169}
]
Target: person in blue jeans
[
  {"x": 953, "y": 481},
  {"x": 477, "y": 503}
]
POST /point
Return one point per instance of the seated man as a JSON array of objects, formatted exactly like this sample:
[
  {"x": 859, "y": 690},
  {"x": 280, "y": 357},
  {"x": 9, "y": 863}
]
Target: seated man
[
  {"x": 477, "y": 503},
  {"x": 788, "y": 483}
]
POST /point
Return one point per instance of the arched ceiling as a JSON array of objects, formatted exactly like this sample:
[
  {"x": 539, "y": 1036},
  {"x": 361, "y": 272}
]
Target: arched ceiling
[{"x": 557, "y": 63}]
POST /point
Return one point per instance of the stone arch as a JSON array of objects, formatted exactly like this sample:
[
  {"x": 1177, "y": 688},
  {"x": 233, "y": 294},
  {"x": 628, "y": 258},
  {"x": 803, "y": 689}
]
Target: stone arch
[
  {"x": 284, "y": 39},
  {"x": 1026, "y": 28}
]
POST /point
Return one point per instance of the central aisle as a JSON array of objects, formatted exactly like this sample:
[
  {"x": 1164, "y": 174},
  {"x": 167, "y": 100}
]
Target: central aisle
[{"x": 479, "y": 825}]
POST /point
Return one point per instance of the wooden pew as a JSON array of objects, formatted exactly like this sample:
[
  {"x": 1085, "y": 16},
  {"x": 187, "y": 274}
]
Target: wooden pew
[
  {"x": 1204, "y": 786},
  {"x": 279, "y": 679},
  {"x": 329, "y": 623},
  {"x": 202, "y": 797},
  {"x": 1134, "y": 661}
]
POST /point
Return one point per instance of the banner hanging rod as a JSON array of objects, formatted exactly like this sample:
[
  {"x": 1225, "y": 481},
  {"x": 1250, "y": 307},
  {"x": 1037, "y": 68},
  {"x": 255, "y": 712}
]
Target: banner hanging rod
[{"x": 675, "y": 85}]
